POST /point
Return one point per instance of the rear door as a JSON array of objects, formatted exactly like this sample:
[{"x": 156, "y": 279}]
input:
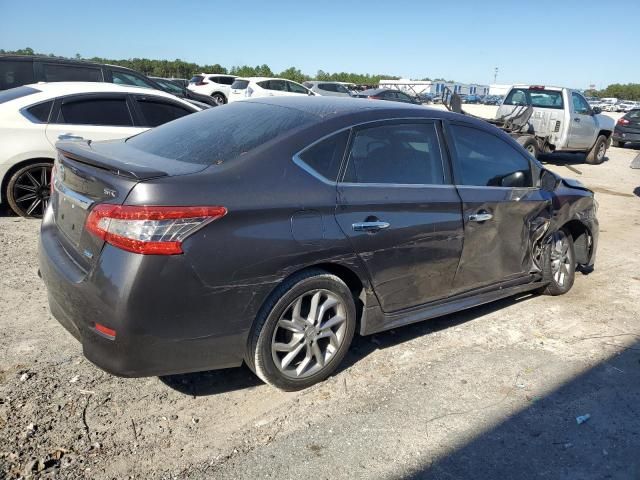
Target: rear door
[
  {"x": 582, "y": 132},
  {"x": 275, "y": 88},
  {"x": 91, "y": 117},
  {"x": 402, "y": 215},
  {"x": 500, "y": 206}
]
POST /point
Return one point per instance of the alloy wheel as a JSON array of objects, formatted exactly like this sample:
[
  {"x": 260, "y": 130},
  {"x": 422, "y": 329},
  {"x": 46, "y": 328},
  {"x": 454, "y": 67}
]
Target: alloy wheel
[
  {"x": 309, "y": 333},
  {"x": 601, "y": 151},
  {"x": 560, "y": 259},
  {"x": 31, "y": 191}
]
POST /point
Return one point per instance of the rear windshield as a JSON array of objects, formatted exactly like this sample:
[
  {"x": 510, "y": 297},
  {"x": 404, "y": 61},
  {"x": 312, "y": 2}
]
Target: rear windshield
[
  {"x": 634, "y": 114},
  {"x": 535, "y": 97},
  {"x": 13, "y": 93},
  {"x": 196, "y": 79},
  {"x": 240, "y": 84},
  {"x": 220, "y": 134}
]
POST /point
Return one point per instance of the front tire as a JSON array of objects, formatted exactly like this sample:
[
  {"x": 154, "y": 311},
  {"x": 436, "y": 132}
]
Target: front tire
[
  {"x": 303, "y": 331},
  {"x": 29, "y": 188},
  {"x": 559, "y": 266},
  {"x": 598, "y": 151}
]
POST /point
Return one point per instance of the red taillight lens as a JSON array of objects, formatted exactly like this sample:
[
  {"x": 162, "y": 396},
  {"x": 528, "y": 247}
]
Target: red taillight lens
[
  {"x": 109, "y": 332},
  {"x": 373, "y": 97},
  {"x": 149, "y": 230},
  {"x": 623, "y": 121}
]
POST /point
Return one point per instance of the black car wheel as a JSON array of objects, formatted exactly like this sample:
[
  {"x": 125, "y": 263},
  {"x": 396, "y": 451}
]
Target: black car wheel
[
  {"x": 530, "y": 144},
  {"x": 29, "y": 188},
  {"x": 219, "y": 98},
  {"x": 618, "y": 144},
  {"x": 303, "y": 331},
  {"x": 559, "y": 266}
]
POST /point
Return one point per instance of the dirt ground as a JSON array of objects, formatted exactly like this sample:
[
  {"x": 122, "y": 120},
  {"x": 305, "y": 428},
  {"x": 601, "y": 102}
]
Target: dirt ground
[{"x": 493, "y": 392}]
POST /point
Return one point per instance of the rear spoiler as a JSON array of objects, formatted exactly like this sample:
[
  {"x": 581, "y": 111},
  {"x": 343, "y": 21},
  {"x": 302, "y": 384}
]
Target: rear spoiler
[{"x": 81, "y": 151}]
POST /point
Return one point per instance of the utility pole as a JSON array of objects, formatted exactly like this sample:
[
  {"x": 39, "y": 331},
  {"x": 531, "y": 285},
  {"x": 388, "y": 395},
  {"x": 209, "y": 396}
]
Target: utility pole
[{"x": 495, "y": 75}]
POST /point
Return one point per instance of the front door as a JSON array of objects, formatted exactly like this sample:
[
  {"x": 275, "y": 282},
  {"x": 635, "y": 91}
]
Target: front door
[
  {"x": 500, "y": 205},
  {"x": 402, "y": 215},
  {"x": 582, "y": 133}
]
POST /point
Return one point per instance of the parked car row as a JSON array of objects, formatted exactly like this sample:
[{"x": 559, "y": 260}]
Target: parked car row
[{"x": 613, "y": 104}]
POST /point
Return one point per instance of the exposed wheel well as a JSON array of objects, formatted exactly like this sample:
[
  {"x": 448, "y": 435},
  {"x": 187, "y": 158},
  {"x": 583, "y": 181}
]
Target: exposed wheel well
[
  {"x": 606, "y": 133},
  {"x": 15, "y": 168},
  {"x": 581, "y": 240}
]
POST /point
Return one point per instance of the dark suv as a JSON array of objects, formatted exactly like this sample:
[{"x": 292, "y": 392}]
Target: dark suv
[{"x": 627, "y": 129}]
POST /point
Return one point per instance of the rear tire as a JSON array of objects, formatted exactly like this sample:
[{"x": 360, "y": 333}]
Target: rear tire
[
  {"x": 530, "y": 144},
  {"x": 618, "y": 144},
  {"x": 598, "y": 151},
  {"x": 219, "y": 98},
  {"x": 559, "y": 264},
  {"x": 303, "y": 331},
  {"x": 29, "y": 188}
]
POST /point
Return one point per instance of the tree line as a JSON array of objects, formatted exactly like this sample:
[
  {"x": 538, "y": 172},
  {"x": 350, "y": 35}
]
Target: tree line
[
  {"x": 627, "y": 91},
  {"x": 180, "y": 69}
]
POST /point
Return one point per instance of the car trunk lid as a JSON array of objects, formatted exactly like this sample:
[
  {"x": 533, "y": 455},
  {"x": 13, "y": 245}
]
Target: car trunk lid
[{"x": 87, "y": 174}]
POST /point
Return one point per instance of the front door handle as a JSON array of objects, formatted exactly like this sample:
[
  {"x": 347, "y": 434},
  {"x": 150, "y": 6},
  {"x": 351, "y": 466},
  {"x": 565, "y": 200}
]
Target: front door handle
[
  {"x": 69, "y": 136},
  {"x": 576, "y": 120},
  {"x": 370, "y": 227},
  {"x": 480, "y": 217}
]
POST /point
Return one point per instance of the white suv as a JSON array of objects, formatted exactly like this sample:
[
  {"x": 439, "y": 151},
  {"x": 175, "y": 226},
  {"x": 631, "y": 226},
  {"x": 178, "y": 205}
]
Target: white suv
[
  {"x": 213, "y": 85},
  {"x": 252, "y": 87}
]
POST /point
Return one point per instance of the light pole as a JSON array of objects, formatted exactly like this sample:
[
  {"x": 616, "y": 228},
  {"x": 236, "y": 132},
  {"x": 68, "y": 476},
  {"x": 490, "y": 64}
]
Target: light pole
[{"x": 495, "y": 74}]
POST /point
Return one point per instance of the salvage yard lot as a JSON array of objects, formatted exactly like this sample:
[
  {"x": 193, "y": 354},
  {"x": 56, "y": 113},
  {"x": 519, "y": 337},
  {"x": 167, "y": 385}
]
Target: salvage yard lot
[{"x": 492, "y": 392}]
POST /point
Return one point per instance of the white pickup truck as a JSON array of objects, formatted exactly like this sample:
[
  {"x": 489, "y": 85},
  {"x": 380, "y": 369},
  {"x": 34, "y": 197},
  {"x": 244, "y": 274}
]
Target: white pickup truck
[{"x": 554, "y": 119}]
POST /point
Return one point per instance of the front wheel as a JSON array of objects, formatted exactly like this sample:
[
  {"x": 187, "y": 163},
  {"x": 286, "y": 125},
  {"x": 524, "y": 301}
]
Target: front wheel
[
  {"x": 29, "y": 188},
  {"x": 559, "y": 265},
  {"x": 598, "y": 151},
  {"x": 303, "y": 331},
  {"x": 530, "y": 144}
]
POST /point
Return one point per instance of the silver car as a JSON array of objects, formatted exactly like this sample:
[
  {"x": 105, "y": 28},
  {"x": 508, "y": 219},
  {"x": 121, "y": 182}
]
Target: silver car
[{"x": 331, "y": 89}]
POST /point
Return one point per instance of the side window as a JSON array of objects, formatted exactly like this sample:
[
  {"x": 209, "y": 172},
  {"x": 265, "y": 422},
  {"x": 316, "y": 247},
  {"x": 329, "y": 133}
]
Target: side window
[
  {"x": 327, "y": 87},
  {"x": 71, "y": 73},
  {"x": 580, "y": 105},
  {"x": 483, "y": 159},
  {"x": 40, "y": 112},
  {"x": 404, "y": 97},
  {"x": 516, "y": 97},
  {"x": 399, "y": 153},
  {"x": 295, "y": 88},
  {"x": 96, "y": 111},
  {"x": 227, "y": 80},
  {"x": 278, "y": 85},
  {"x": 15, "y": 74},
  {"x": 325, "y": 157},
  {"x": 126, "y": 78},
  {"x": 157, "y": 112},
  {"x": 390, "y": 96}
]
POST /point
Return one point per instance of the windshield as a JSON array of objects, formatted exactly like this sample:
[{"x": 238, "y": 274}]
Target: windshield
[
  {"x": 540, "y": 98},
  {"x": 17, "y": 92},
  {"x": 169, "y": 86},
  {"x": 220, "y": 134},
  {"x": 240, "y": 84}
]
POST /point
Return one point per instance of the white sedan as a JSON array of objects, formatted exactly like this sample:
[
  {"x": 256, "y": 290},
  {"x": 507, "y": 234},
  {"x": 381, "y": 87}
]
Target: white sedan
[{"x": 34, "y": 117}]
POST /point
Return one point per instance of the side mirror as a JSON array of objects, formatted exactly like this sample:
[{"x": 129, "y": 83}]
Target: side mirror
[
  {"x": 548, "y": 181},
  {"x": 596, "y": 110}
]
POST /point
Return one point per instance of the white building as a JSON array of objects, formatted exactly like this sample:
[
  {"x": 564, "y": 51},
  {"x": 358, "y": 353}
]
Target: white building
[{"x": 497, "y": 89}]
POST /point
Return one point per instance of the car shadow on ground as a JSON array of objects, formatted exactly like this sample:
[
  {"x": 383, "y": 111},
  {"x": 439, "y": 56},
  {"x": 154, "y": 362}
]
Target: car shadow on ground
[
  {"x": 566, "y": 160},
  {"x": 545, "y": 440},
  {"x": 215, "y": 382}
]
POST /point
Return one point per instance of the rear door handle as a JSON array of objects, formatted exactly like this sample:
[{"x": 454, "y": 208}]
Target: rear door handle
[
  {"x": 480, "y": 217},
  {"x": 576, "y": 120},
  {"x": 69, "y": 136},
  {"x": 370, "y": 227}
]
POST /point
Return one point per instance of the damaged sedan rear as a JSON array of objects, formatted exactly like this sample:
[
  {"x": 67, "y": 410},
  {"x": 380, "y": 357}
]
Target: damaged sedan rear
[{"x": 271, "y": 231}]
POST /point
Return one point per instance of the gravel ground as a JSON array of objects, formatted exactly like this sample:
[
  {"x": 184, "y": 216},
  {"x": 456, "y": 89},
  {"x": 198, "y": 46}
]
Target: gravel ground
[{"x": 492, "y": 392}]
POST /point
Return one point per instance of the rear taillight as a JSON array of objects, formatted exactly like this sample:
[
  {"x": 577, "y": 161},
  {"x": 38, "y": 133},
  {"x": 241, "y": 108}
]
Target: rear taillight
[
  {"x": 149, "y": 230},
  {"x": 623, "y": 121}
]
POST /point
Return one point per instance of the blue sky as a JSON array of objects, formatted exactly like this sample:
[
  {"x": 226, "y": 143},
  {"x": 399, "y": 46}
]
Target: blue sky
[{"x": 566, "y": 42}]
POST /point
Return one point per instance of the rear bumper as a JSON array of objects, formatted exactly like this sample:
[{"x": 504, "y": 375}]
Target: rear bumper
[
  {"x": 166, "y": 320},
  {"x": 626, "y": 135}
]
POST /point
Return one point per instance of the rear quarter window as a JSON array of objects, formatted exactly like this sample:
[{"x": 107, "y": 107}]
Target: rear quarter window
[
  {"x": 221, "y": 134},
  {"x": 39, "y": 113},
  {"x": 325, "y": 157}
]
